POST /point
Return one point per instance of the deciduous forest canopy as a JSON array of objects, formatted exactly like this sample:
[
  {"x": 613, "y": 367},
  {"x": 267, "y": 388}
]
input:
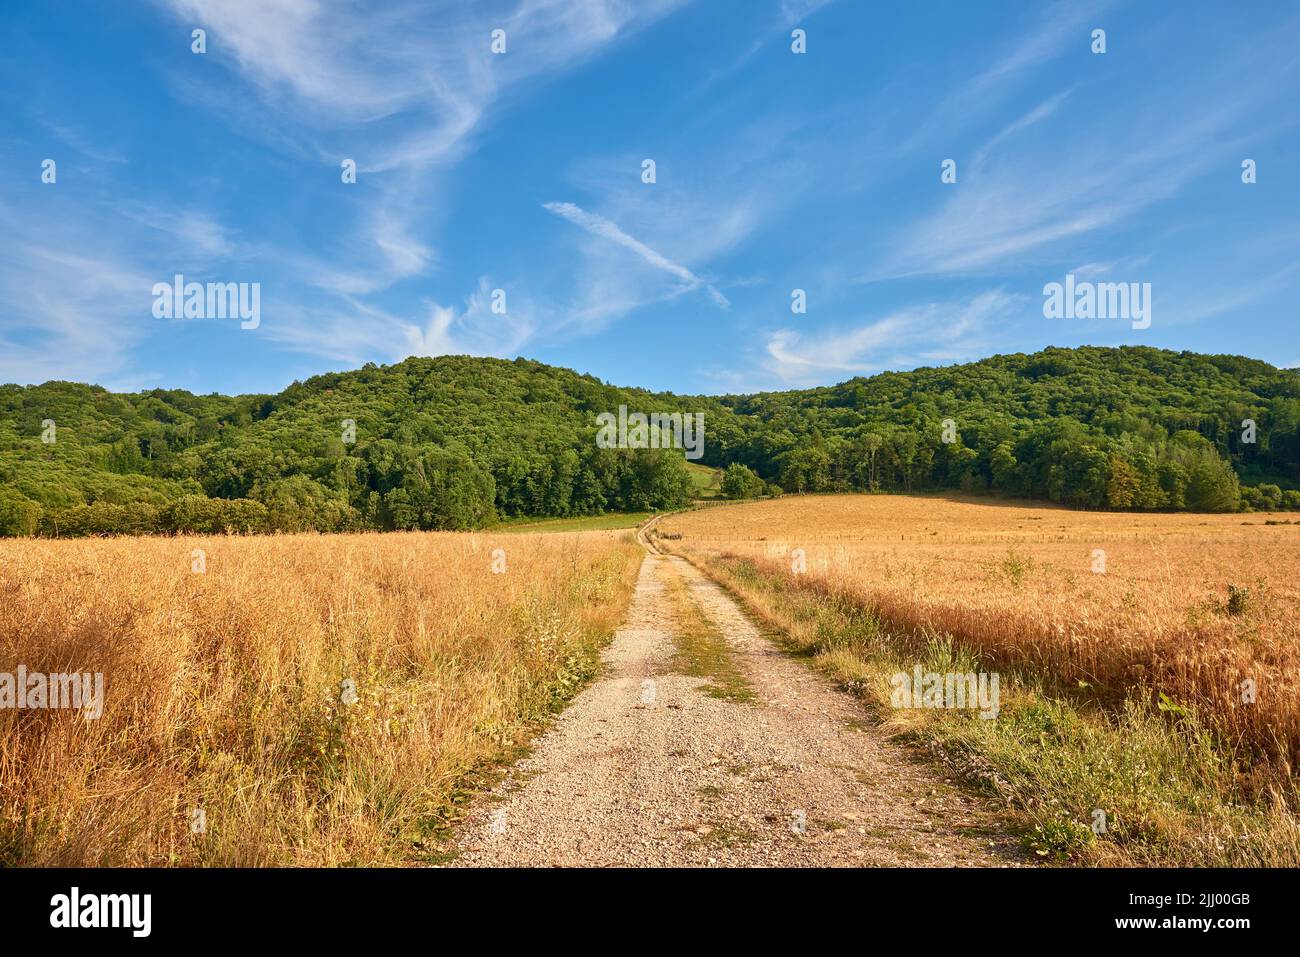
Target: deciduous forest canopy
[{"x": 457, "y": 442}]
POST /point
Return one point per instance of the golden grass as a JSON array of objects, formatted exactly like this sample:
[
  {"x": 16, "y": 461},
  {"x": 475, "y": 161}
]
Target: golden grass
[
  {"x": 1014, "y": 585},
  {"x": 224, "y": 689},
  {"x": 1198, "y": 777}
]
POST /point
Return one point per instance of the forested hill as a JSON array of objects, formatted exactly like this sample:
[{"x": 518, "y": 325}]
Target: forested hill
[
  {"x": 458, "y": 442},
  {"x": 1132, "y": 427}
]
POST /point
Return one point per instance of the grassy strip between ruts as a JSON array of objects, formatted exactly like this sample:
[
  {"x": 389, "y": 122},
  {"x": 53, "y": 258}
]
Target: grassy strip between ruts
[
  {"x": 1129, "y": 786},
  {"x": 702, "y": 649}
]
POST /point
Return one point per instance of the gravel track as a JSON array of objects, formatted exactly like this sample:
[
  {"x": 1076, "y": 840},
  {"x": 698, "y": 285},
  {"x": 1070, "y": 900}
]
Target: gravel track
[{"x": 646, "y": 768}]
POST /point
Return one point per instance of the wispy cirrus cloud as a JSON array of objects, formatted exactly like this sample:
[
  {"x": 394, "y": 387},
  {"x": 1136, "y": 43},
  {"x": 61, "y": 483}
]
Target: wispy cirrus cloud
[
  {"x": 402, "y": 88},
  {"x": 599, "y": 226},
  {"x": 1055, "y": 29},
  {"x": 932, "y": 332},
  {"x": 1064, "y": 181},
  {"x": 77, "y": 290},
  {"x": 776, "y": 172},
  {"x": 1040, "y": 195},
  {"x": 1039, "y": 113},
  {"x": 82, "y": 142},
  {"x": 56, "y": 304},
  {"x": 357, "y": 331},
  {"x": 200, "y": 234},
  {"x": 790, "y": 13}
]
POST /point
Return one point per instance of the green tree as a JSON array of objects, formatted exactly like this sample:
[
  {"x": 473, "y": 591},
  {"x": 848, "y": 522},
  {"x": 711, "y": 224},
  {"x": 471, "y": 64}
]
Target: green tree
[
  {"x": 739, "y": 481},
  {"x": 19, "y": 515},
  {"x": 1212, "y": 487}
]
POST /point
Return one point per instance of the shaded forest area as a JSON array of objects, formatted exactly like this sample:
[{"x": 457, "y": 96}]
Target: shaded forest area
[{"x": 457, "y": 442}]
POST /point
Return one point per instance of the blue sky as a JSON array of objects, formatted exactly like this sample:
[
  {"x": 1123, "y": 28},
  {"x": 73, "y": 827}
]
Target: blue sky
[{"x": 522, "y": 171}]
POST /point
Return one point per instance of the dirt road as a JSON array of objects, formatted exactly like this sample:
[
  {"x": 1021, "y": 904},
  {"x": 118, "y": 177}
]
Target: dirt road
[{"x": 702, "y": 744}]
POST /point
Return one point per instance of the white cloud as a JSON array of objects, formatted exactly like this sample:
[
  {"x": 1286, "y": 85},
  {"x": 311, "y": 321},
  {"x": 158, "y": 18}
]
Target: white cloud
[
  {"x": 195, "y": 231},
  {"x": 64, "y": 313},
  {"x": 792, "y": 11},
  {"x": 599, "y": 226},
  {"x": 80, "y": 142},
  {"x": 1091, "y": 170},
  {"x": 476, "y": 329},
  {"x": 360, "y": 332},
  {"x": 1039, "y": 113},
  {"x": 1047, "y": 193},
  {"x": 1113, "y": 266},
  {"x": 78, "y": 289},
  {"x": 400, "y": 88},
  {"x": 1062, "y": 24},
  {"x": 1192, "y": 302},
  {"x": 927, "y": 333}
]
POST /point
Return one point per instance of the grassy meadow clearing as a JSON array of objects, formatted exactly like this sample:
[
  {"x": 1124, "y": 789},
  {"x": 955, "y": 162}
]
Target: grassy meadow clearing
[
  {"x": 1150, "y": 663},
  {"x": 286, "y": 700},
  {"x": 579, "y": 523}
]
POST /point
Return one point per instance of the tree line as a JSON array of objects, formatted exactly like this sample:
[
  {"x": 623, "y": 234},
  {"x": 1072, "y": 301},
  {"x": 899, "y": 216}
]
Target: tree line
[{"x": 457, "y": 442}]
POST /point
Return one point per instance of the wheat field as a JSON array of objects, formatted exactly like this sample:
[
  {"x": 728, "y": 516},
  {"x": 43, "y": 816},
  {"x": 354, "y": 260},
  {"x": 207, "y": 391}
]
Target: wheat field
[
  {"x": 297, "y": 699},
  {"x": 1202, "y": 608}
]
